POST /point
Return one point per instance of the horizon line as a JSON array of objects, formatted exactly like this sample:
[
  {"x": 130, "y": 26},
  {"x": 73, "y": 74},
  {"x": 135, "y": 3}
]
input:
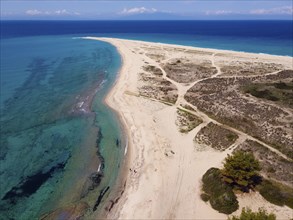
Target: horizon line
[{"x": 147, "y": 20}]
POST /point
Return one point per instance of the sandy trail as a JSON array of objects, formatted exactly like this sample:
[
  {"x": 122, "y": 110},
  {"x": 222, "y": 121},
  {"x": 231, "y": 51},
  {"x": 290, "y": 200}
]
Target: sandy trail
[{"x": 219, "y": 72}]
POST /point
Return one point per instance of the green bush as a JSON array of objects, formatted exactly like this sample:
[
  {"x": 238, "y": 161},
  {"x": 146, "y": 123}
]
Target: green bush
[
  {"x": 247, "y": 214},
  {"x": 280, "y": 92},
  {"x": 205, "y": 197},
  {"x": 241, "y": 170},
  {"x": 283, "y": 86},
  {"x": 289, "y": 200},
  {"x": 276, "y": 194},
  {"x": 231, "y": 137},
  {"x": 271, "y": 193},
  {"x": 221, "y": 195}
]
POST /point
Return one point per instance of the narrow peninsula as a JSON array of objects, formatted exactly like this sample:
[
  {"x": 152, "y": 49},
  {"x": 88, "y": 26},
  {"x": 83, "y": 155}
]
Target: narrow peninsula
[{"x": 185, "y": 110}]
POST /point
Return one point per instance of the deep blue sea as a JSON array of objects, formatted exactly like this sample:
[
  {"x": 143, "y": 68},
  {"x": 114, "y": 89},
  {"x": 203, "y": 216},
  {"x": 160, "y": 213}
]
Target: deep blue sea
[
  {"x": 272, "y": 37},
  {"x": 61, "y": 147}
]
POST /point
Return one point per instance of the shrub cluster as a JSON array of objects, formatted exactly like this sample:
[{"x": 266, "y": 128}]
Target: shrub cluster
[
  {"x": 218, "y": 193},
  {"x": 247, "y": 214},
  {"x": 276, "y": 194},
  {"x": 241, "y": 170}
]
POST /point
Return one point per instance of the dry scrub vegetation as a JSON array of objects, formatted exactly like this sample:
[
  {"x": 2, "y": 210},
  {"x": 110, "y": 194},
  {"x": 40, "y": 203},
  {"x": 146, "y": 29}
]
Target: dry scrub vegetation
[
  {"x": 244, "y": 102},
  {"x": 216, "y": 137},
  {"x": 187, "y": 121},
  {"x": 273, "y": 166},
  {"x": 224, "y": 100},
  {"x": 187, "y": 71}
]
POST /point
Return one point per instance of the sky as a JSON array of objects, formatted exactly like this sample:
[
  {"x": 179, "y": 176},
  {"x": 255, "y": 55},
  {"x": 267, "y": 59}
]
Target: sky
[{"x": 146, "y": 10}]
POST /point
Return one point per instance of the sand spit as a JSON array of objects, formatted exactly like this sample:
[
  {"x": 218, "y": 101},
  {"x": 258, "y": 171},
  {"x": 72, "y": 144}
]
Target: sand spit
[{"x": 166, "y": 165}]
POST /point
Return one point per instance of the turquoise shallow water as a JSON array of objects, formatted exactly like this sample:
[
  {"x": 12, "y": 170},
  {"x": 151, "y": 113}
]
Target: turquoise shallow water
[{"x": 50, "y": 134}]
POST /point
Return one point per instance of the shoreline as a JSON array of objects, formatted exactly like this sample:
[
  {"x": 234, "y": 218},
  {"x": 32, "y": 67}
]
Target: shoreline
[
  {"x": 119, "y": 187},
  {"x": 149, "y": 174},
  {"x": 208, "y": 49}
]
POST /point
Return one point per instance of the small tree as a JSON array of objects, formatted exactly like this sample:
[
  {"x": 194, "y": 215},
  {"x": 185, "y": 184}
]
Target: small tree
[
  {"x": 247, "y": 214},
  {"x": 241, "y": 170}
]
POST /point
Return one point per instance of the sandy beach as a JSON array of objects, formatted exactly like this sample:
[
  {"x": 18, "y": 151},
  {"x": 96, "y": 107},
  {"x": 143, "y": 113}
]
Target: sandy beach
[{"x": 165, "y": 166}]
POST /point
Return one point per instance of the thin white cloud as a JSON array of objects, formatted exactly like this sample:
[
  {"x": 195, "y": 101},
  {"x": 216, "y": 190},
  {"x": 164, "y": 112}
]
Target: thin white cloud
[
  {"x": 285, "y": 10},
  {"x": 140, "y": 10},
  {"x": 62, "y": 12},
  {"x": 35, "y": 12},
  {"x": 220, "y": 12}
]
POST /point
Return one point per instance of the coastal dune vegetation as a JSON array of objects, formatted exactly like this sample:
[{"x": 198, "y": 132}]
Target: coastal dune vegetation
[
  {"x": 240, "y": 174},
  {"x": 213, "y": 127}
]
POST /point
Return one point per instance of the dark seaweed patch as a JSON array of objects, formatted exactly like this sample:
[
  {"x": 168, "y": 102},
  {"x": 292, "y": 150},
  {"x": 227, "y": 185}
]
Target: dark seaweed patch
[
  {"x": 102, "y": 193},
  {"x": 117, "y": 142},
  {"x": 113, "y": 202},
  {"x": 31, "y": 184},
  {"x": 95, "y": 178},
  {"x": 98, "y": 142},
  {"x": 99, "y": 137}
]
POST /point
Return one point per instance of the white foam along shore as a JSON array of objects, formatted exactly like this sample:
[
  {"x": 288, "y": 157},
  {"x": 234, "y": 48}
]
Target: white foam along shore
[{"x": 160, "y": 186}]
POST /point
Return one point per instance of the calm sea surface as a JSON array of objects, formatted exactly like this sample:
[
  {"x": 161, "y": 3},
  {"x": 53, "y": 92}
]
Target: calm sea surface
[
  {"x": 60, "y": 145},
  {"x": 272, "y": 37}
]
